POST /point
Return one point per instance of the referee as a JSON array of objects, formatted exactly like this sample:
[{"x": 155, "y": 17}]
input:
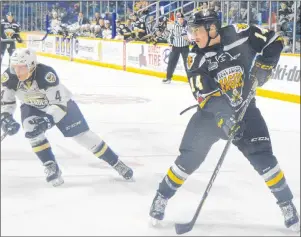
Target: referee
[{"x": 179, "y": 42}]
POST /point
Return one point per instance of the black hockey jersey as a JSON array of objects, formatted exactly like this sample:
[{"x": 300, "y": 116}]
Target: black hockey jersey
[
  {"x": 123, "y": 30},
  {"x": 10, "y": 30},
  {"x": 223, "y": 69},
  {"x": 140, "y": 25}
]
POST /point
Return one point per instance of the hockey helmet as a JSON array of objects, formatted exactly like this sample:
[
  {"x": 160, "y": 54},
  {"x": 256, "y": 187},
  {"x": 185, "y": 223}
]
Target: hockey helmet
[
  {"x": 205, "y": 17},
  {"x": 23, "y": 57}
]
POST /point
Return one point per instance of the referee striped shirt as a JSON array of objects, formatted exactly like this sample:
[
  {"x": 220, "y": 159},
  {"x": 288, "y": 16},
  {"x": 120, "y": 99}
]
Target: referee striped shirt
[{"x": 177, "y": 34}]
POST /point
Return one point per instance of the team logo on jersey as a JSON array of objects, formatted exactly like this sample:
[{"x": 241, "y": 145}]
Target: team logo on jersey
[
  {"x": 240, "y": 27},
  {"x": 4, "y": 77},
  {"x": 231, "y": 83},
  {"x": 190, "y": 60},
  {"x": 9, "y": 33},
  {"x": 50, "y": 77},
  {"x": 39, "y": 101}
]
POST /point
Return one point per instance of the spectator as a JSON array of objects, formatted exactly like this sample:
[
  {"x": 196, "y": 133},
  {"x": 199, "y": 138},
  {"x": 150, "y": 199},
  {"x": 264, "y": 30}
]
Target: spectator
[
  {"x": 107, "y": 32},
  {"x": 81, "y": 19},
  {"x": 97, "y": 32},
  {"x": 101, "y": 23},
  {"x": 55, "y": 22},
  {"x": 96, "y": 18}
]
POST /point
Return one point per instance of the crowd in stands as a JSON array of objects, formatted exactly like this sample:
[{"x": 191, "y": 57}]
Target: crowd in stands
[{"x": 84, "y": 20}]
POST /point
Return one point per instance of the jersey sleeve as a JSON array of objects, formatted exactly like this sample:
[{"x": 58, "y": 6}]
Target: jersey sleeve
[
  {"x": 267, "y": 43},
  {"x": 57, "y": 95},
  {"x": 8, "y": 98}
]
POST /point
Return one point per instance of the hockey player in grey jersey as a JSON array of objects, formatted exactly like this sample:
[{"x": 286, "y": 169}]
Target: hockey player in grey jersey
[{"x": 45, "y": 102}]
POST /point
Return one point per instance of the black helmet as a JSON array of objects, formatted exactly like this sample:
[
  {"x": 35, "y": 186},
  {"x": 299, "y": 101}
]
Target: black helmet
[{"x": 205, "y": 18}]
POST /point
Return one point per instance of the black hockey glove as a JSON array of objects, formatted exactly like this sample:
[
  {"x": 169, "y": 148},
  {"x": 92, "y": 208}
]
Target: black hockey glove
[
  {"x": 262, "y": 71},
  {"x": 9, "y": 124},
  {"x": 230, "y": 126},
  {"x": 41, "y": 124}
]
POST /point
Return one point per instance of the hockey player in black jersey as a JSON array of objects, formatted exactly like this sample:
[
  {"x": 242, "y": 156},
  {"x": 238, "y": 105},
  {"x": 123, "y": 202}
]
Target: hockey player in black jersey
[
  {"x": 139, "y": 27},
  {"x": 123, "y": 30},
  {"x": 222, "y": 66},
  {"x": 10, "y": 30},
  {"x": 46, "y": 102}
]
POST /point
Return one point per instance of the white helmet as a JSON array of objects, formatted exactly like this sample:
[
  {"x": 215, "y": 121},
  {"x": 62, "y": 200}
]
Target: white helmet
[{"x": 25, "y": 56}]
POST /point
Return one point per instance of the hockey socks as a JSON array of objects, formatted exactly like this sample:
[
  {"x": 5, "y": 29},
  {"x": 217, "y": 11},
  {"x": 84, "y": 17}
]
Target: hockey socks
[
  {"x": 43, "y": 151},
  {"x": 104, "y": 152},
  {"x": 275, "y": 180},
  {"x": 173, "y": 180}
]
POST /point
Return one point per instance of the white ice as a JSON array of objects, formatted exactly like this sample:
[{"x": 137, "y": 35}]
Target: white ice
[{"x": 138, "y": 117}]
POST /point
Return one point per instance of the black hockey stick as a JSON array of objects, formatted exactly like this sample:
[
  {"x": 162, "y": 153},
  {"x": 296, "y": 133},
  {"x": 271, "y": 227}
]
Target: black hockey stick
[
  {"x": 186, "y": 227},
  {"x": 3, "y": 136}
]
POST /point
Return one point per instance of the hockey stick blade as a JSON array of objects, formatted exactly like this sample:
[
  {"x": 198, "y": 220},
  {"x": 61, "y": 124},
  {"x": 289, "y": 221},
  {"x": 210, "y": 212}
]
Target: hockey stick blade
[
  {"x": 183, "y": 228},
  {"x": 3, "y": 136}
]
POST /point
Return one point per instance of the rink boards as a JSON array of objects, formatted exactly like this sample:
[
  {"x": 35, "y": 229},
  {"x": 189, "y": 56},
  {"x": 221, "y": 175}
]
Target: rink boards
[{"x": 148, "y": 59}]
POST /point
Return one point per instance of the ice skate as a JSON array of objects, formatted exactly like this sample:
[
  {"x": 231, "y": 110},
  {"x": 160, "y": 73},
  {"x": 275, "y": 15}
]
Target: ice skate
[
  {"x": 54, "y": 174},
  {"x": 125, "y": 171},
  {"x": 157, "y": 209},
  {"x": 291, "y": 216},
  {"x": 166, "y": 81}
]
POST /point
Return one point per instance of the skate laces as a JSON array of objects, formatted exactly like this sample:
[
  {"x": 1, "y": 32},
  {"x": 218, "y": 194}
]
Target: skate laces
[
  {"x": 50, "y": 169},
  {"x": 288, "y": 211},
  {"x": 121, "y": 168},
  {"x": 160, "y": 204}
]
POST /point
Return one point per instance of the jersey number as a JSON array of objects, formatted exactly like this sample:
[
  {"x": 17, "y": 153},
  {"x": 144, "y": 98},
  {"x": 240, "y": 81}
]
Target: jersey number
[
  {"x": 58, "y": 96},
  {"x": 198, "y": 83}
]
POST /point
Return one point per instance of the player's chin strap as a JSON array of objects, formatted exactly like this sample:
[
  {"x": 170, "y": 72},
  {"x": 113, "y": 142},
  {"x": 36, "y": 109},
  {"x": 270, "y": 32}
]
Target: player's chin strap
[{"x": 209, "y": 37}]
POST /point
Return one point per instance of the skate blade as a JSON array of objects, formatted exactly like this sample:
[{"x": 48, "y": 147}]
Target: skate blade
[
  {"x": 295, "y": 227},
  {"x": 130, "y": 180},
  {"x": 155, "y": 222},
  {"x": 57, "y": 182}
]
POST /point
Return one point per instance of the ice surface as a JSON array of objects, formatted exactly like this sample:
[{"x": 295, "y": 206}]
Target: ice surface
[{"x": 139, "y": 118}]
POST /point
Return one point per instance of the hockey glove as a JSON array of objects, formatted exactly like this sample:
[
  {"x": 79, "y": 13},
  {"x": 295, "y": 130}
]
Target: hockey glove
[
  {"x": 41, "y": 124},
  {"x": 261, "y": 71},
  {"x": 9, "y": 124},
  {"x": 230, "y": 126}
]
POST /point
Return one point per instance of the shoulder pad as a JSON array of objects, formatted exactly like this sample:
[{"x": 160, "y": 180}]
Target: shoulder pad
[
  {"x": 239, "y": 27},
  {"x": 50, "y": 77},
  {"x": 4, "y": 77},
  {"x": 46, "y": 76},
  {"x": 9, "y": 80}
]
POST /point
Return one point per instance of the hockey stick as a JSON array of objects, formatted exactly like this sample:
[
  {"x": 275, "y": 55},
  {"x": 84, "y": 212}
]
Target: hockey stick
[
  {"x": 35, "y": 40},
  {"x": 186, "y": 227},
  {"x": 3, "y": 136}
]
